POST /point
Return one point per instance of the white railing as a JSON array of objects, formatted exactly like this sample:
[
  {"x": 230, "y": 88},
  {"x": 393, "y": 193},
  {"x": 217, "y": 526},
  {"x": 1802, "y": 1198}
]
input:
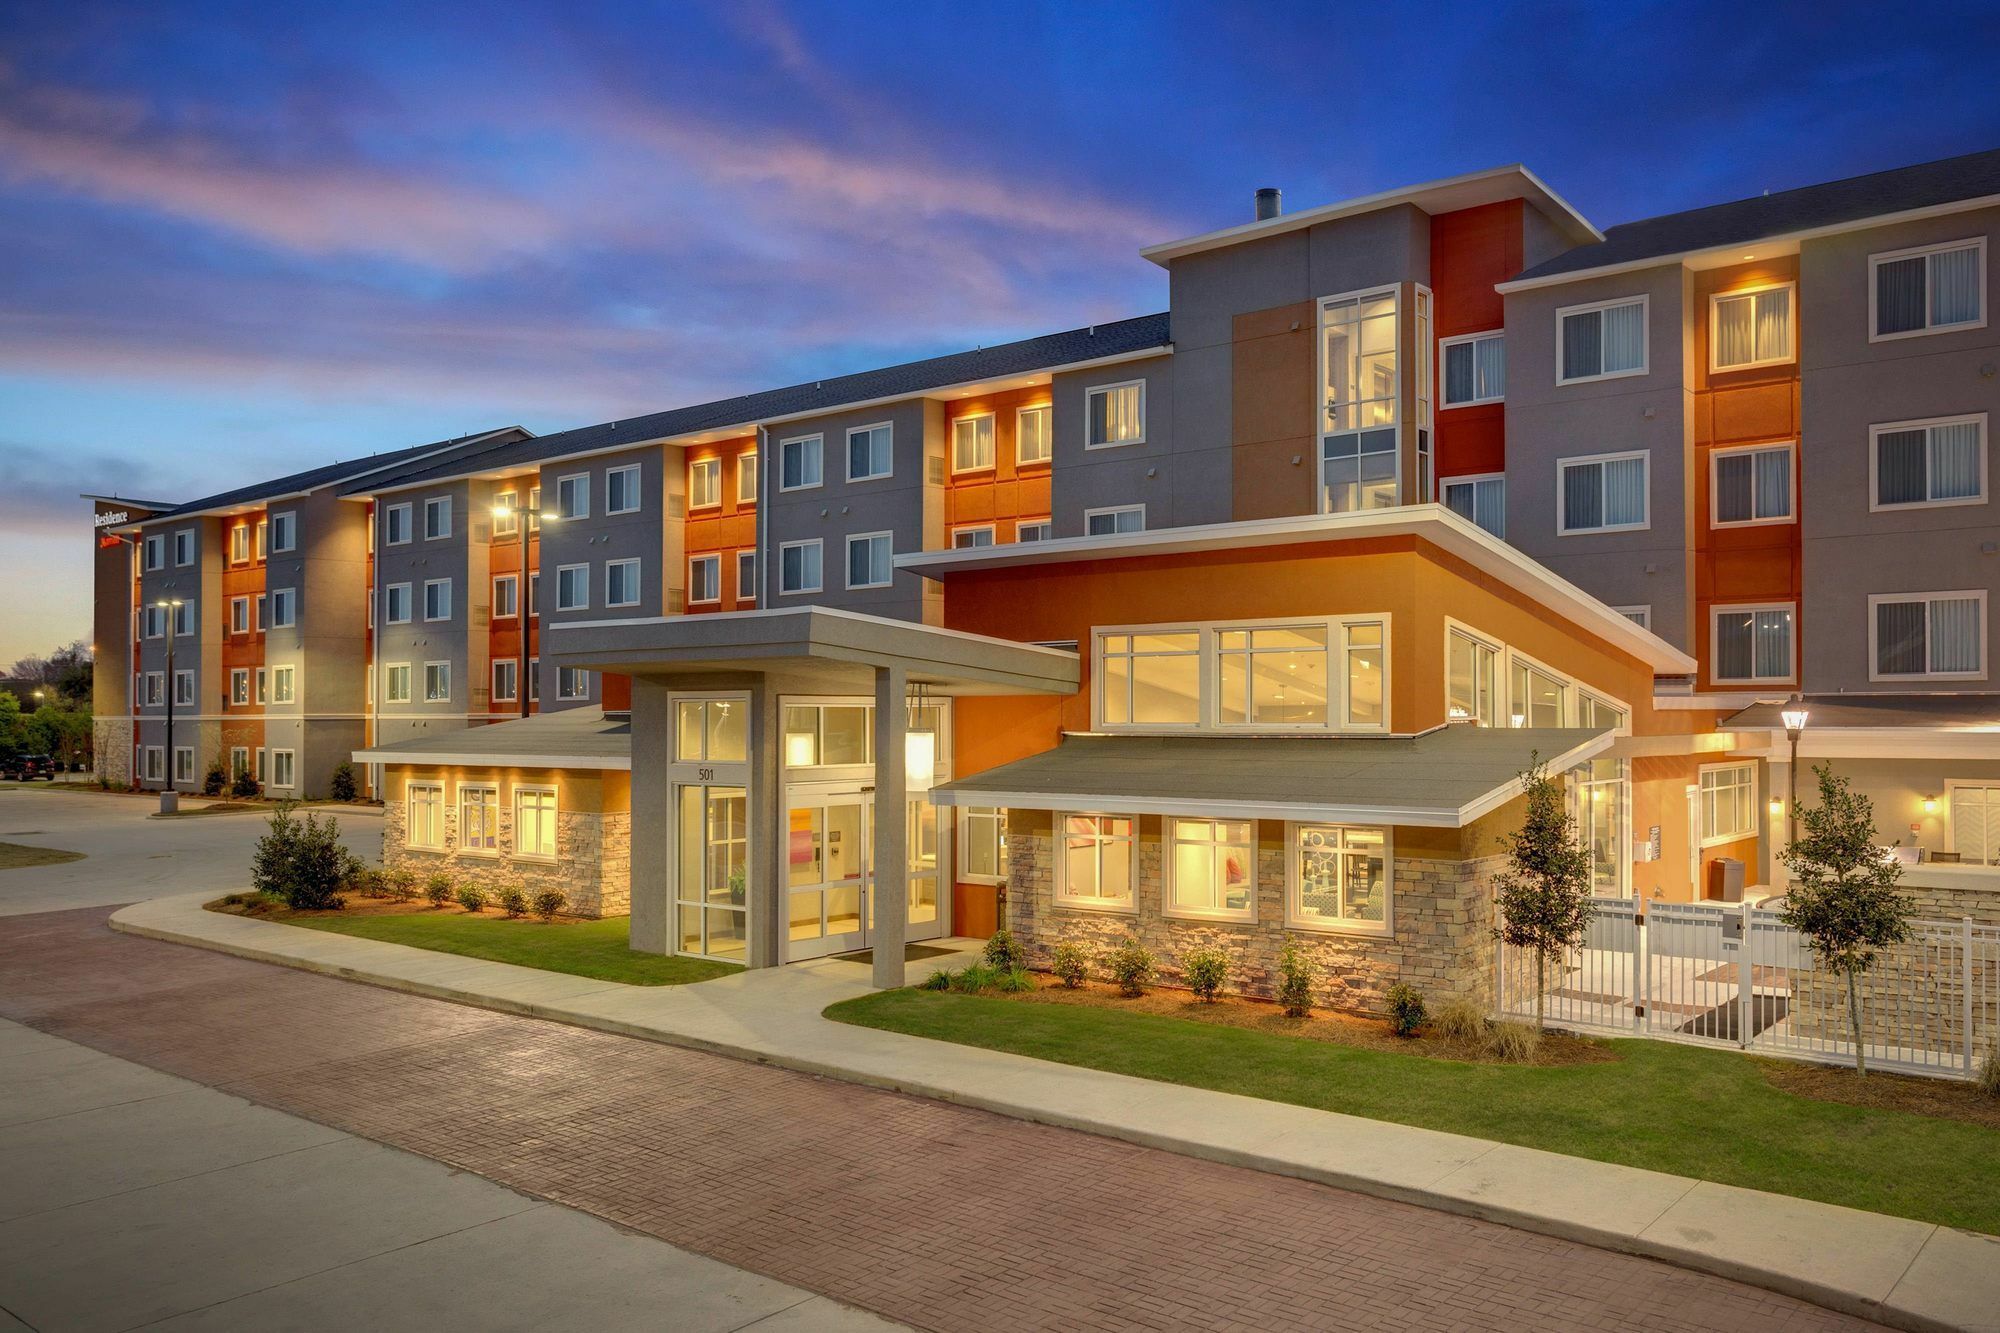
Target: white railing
[{"x": 1737, "y": 975}]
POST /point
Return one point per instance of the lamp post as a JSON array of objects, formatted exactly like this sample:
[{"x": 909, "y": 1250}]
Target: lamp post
[
  {"x": 1794, "y": 715},
  {"x": 170, "y": 799},
  {"x": 523, "y": 515}
]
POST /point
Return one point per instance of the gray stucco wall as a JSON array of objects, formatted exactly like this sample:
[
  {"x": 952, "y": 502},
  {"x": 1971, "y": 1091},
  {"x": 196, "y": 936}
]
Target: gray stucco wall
[
  {"x": 199, "y": 651},
  {"x": 1178, "y": 481},
  {"x": 602, "y": 538},
  {"x": 420, "y": 641}
]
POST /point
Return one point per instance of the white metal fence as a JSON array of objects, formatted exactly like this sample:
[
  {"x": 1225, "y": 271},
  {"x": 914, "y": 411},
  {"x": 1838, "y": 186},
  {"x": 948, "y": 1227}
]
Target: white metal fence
[{"x": 1736, "y": 975}]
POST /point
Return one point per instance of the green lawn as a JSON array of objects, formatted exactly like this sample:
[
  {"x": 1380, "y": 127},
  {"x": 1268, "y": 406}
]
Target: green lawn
[
  {"x": 583, "y": 948},
  {"x": 1692, "y": 1112},
  {"x": 18, "y": 856}
]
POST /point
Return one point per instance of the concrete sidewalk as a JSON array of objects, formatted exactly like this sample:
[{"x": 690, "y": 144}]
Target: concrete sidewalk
[{"x": 1909, "y": 1274}]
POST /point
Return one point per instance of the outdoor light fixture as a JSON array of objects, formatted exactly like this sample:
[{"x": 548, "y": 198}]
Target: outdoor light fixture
[
  {"x": 1777, "y": 805},
  {"x": 1930, "y": 805},
  {"x": 1794, "y": 717},
  {"x": 920, "y": 756}
]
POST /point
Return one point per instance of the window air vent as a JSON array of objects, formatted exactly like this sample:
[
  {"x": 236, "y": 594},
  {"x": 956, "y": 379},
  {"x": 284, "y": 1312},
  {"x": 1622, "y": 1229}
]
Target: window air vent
[
  {"x": 677, "y": 506},
  {"x": 934, "y": 470},
  {"x": 677, "y": 601}
]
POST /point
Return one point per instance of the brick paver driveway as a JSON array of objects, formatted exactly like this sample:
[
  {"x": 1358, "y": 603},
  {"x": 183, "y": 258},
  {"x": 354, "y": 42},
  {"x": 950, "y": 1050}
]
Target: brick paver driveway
[{"x": 932, "y": 1214}]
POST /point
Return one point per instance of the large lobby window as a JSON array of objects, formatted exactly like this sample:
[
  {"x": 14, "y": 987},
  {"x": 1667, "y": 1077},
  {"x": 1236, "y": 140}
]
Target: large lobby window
[
  {"x": 1359, "y": 402},
  {"x": 1305, "y": 675},
  {"x": 1100, "y": 862},
  {"x": 1272, "y": 677},
  {"x": 1213, "y": 869},
  {"x": 1337, "y": 878},
  {"x": 1150, "y": 680},
  {"x": 711, "y": 731}
]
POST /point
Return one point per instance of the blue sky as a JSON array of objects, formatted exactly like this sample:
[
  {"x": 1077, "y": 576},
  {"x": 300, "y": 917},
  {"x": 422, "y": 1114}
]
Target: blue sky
[{"x": 237, "y": 241}]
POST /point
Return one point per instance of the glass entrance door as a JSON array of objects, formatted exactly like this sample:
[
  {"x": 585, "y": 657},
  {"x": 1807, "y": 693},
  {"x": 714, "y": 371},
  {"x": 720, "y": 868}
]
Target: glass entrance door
[
  {"x": 826, "y": 874},
  {"x": 711, "y": 878}
]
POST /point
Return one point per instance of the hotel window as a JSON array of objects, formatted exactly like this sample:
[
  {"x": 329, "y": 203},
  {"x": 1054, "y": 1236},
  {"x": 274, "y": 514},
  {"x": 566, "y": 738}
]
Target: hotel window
[
  {"x": 711, "y": 731},
  {"x": 437, "y": 599},
  {"x": 534, "y": 509},
  {"x": 534, "y": 593},
  {"x": 183, "y": 689},
  {"x": 479, "y": 820},
  {"x": 968, "y": 538},
  {"x": 972, "y": 448},
  {"x": 257, "y": 543},
  {"x": 239, "y": 760},
  {"x": 1367, "y": 652},
  {"x": 1537, "y": 697},
  {"x": 1642, "y": 616},
  {"x": 1212, "y": 869},
  {"x": 1932, "y": 636},
  {"x": 239, "y": 686},
  {"x": 1114, "y": 522},
  {"x": 1151, "y": 679},
  {"x": 746, "y": 576},
  {"x": 183, "y": 763},
  {"x": 1603, "y": 493},
  {"x": 184, "y": 547},
  {"x": 1601, "y": 714},
  {"x": 799, "y": 463},
  {"x": 506, "y": 514},
  {"x": 239, "y": 615},
  {"x": 1752, "y": 643},
  {"x": 1426, "y": 393},
  {"x": 535, "y": 823},
  {"x": 1100, "y": 862},
  {"x": 868, "y": 560},
  {"x": 827, "y": 735},
  {"x": 396, "y": 683},
  {"x": 704, "y": 483},
  {"x": 263, "y": 685},
  {"x": 1728, "y": 803},
  {"x": 396, "y": 604},
  {"x": 282, "y": 769},
  {"x": 1482, "y": 500},
  {"x": 239, "y": 544},
  {"x": 284, "y": 608},
  {"x": 437, "y": 682},
  {"x": 982, "y": 845},
  {"x": 423, "y": 825},
  {"x": 1272, "y": 677},
  {"x": 1931, "y": 289},
  {"x": 261, "y": 765},
  {"x": 1750, "y": 486},
  {"x": 1601, "y": 341},
  {"x": 284, "y": 685},
  {"x": 437, "y": 518},
  {"x": 154, "y": 619},
  {"x": 506, "y": 680},
  {"x": 156, "y": 553},
  {"x": 572, "y": 683},
  {"x": 1034, "y": 435},
  {"x": 621, "y": 489},
  {"x": 799, "y": 567},
  {"x": 746, "y": 479},
  {"x": 1475, "y": 369},
  {"x": 1116, "y": 414},
  {"x": 1599, "y": 792},
  {"x": 621, "y": 582},
  {"x": 184, "y": 619},
  {"x": 156, "y": 764},
  {"x": 1974, "y": 831},
  {"x": 1358, "y": 424},
  {"x": 1929, "y": 462},
  {"x": 870, "y": 452},
  {"x": 1750, "y": 328},
  {"x": 506, "y": 596},
  {"x": 573, "y": 588},
  {"x": 284, "y": 534},
  {"x": 396, "y": 524},
  {"x": 573, "y": 495},
  {"x": 1337, "y": 878},
  {"x": 704, "y": 578},
  {"x": 1471, "y": 679},
  {"x": 1035, "y": 530}
]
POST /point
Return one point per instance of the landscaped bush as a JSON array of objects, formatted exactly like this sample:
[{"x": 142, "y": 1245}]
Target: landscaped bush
[
  {"x": 938, "y": 980},
  {"x": 974, "y": 978},
  {"x": 1989, "y": 1074},
  {"x": 1296, "y": 971},
  {"x": 547, "y": 902},
  {"x": 513, "y": 900},
  {"x": 438, "y": 889},
  {"x": 1459, "y": 1020},
  {"x": 471, "y": 897},
  {"x": 212, "y": 784},
  {"x": 245, "y": 787},
  {"x": 371, "y": 883},
  {"x": 1070, "y": 965},
  {"x": 1406, "y": 1009},
  {"x": 303, "y": 862},
  {"x": 1513, "y": 1041},
  {"x": 343, "y": 782},
  {"x": 1205, "y": 969},
  {"x": 1131, "y": 966},
  {"x": 1015, "y": 980},
  {"x": 401, "y": 884},
  {"x": 1004, "y": 951}
]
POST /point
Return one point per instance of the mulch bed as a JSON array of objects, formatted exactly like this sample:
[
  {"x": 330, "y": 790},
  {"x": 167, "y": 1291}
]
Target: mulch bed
[
  {"x": 358, "y": 906},
  {"x": 1945, "y": 1099}
]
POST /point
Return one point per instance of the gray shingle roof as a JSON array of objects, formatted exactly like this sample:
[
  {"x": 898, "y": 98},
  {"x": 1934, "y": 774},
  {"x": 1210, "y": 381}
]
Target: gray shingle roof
[
  {"x": 1921, "y": 712},
  {"x": 914, "y": 377},
  {"x": 1972, "y": 176},
  {"x": 567, "y": 738}
]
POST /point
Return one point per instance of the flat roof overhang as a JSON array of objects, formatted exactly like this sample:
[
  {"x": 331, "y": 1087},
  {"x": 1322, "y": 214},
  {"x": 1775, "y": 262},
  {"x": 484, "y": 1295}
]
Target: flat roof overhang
[
  {"x": 832, "y": 650},
  {"x": 1445, "y": 778},
  {"x": 1877, "y": 726}
]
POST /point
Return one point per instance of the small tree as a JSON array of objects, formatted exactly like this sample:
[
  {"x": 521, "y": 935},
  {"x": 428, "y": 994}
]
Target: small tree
[
  {"x": 343, "y": 782},
  {"x": 1843, "y": 895},
  {"x": 1544, "y": 893}
]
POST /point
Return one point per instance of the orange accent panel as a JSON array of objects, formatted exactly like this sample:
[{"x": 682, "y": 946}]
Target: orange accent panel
[
  {"x": 1007, "y": 493},
  {"x": 503, "y": 635},
  {"x": 723, "y": 529},
  {"x": 1471, "y": 250}
]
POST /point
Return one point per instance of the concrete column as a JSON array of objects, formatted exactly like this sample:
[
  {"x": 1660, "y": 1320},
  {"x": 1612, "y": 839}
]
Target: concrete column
[
  {"x": 653, "y": 927},
  {"x": 892, "y": 856},
  {"x": 767, "y": 824}
]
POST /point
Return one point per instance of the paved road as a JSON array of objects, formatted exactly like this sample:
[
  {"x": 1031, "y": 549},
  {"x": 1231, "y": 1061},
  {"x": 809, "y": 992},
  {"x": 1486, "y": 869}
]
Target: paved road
[
  {"x": 128, "y": 856},
  {"x": 931, "y": 1214}
]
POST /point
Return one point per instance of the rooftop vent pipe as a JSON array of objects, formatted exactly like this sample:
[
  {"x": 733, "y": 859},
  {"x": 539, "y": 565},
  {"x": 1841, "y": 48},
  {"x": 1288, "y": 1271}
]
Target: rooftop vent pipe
[{"x": 1270, "y": 203}]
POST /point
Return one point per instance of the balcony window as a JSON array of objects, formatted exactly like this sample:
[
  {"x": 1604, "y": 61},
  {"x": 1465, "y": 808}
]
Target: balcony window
[
  {"x": 1750, "y": 328},
  {"x": 1931, "y": 636},
  {"x": 1601, "y": 341},
  {"x": 1930, "y": 289},
  {"x": 1941, "y": 462}
]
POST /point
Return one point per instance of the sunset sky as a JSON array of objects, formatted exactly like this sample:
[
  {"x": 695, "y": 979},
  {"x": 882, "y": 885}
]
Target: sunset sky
[{"x": 237, "y": 240}]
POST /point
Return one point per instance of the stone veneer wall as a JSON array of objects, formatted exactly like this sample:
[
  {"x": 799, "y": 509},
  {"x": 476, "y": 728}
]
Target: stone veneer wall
[
  {"x": 592, "y": 866},
  {"x": 111, "y": 743},
  {"x": 1441, "y": 915}
]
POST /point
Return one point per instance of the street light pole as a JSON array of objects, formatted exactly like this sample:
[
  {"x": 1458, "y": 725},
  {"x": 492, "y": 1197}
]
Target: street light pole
[{"x": 1794, "y": 716}]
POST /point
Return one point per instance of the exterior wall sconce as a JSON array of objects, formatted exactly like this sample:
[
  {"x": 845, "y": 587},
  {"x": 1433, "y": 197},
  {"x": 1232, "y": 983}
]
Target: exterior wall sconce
[
  {"x": 1930, "y": 805},
  {"x": 1777, "y": 805}
]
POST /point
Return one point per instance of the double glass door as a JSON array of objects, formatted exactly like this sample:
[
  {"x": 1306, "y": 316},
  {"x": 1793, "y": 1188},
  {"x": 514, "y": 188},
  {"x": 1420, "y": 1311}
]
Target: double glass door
[{"x": 829, "y": 874}]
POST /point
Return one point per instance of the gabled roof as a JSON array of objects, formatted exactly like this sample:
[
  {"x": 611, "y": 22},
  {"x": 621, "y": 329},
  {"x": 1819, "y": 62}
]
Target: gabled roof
[
  {"x": 1054, "y": 351},
  {"x": 1833, "y": 206}
]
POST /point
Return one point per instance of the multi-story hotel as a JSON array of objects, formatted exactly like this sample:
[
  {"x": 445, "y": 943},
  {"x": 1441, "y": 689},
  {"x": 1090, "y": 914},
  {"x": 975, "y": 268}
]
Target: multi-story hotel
[{"x": 1233, "y": 621}]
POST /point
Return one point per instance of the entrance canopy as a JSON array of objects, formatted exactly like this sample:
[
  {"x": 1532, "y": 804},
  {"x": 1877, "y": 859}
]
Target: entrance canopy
[
  {"x": 1445, "y": 778},
  {"x": 1878, "y": 726}
]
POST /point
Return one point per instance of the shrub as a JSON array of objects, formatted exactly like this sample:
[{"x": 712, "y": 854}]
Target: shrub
[
  {"x": 1205, "y": 969},
  {"x": 438, "y": 889},
  {"x": 343, "y": 782},
  {"x": 245, "y": 787},
  {"x": 401, "y": 884},
  {"x": 1406, "y": 1009},
  {"x": 938, "y": 980},
  {"x": 1004, "y": 951},
  {"x": 371, "y": 883},
  {"x": 974, "y": 978},
  {"x": 1131, "y": 966},
  {"x": 1516, "y": 1042},
  {"x": 1989, "y": 1074},
  {"x": 471, "y": 897},
  {"x": 1459, "y": 1020},
  {"x": 1296, "y": 972},
  {"x": 212, "y": 784},
  {"x": 303, "y": 862},
  {"x": 1014, "y": 980},
  {"x": 1071, "y": 965},
  {"x": 513, "y": 900},
  {"x": 548, "y": 902}
]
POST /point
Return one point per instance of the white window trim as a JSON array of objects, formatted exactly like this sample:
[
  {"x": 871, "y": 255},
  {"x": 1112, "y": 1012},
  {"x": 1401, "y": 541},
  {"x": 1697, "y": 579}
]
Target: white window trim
[
  {"x": 410, "y": 790},
  {"x": 848, "y": 570},
  {"x": 239, "y": 676},
  {"x": 239, "y": 759},
  {"x": 406, "y": 508},
  {"x": 1208, "y": 660},
  {"x": 514, "y": 665},
  {"x": 555, "y": 816},
  {"x": 1019, "y": 412},
  {"x": 389, "y": 670},
  {"x": 389, "y": 604},
  {"x": 993, "y": 466},
  {"x": 1951, "y": 788},
  {"x": 292, "y": 756},
  {"x": 1715, "y": 614},
  {"x": 1642, "y": 616},
  {"x": 291, "y": 522},
  {"x": 1874, "y": 658},
  {"x": 1127, "y": 906},
  {"x": 1169, "y": 872},
  {"x": 583, "y": 583},
  {"x": 783, "y": 547},
  {"x": 291, "y": 604},
  {"x": 714, "y": 558},
  {"x": 694, "y": 465},
  {"x": 974, "y": 527},
  {"x": 746, "y": 590},
  {"x": 802, "y": 439},
  {"x": 1092, "y": 392},
  {"x": 638, "y": 500},
  {"x": 1089, "y": 514},
  {"x": 515, "y": 581},
  {"x": 427, "y": 683},
  {"x": 183, "y": 752},
  {"x": 239, "y": 604},
  {"x": 746, "y": 466},
  {"x": 155, "y": 543},
  {"x": 1715, "y": 519},
  {"x": 193, "y": 548},
  {"x": 1044, "y": 522},
  {"x": 281, "y": 671},
  {"x": 575, "y": 673},
  {"x": 474, "y": 788},
  {"x": 1876, "y": 261},
  {"x": 964, "y": 821},
  {"x": 506, "y": 513},
  {"x": 1645, "y": 304},
  {"x": 440, "y": 504},
  {"x": 582, "y": 477},
  {"x": 1297, "y": 920},
  {"x": 184, "y": 674},
  {"x": 853, "y": 431},
  {"x": 1720, "y": 839},
  {"x": 637, "y": 595},
  {"x": 1454, "y": 341},
  {"x": 1645, "y": 456},
  {"x": 1473, "y": 479},
  {"x": 1715, "y": 301},
  {"x": 430, "y": 619},
  {"x": 1875, "y": 434}
]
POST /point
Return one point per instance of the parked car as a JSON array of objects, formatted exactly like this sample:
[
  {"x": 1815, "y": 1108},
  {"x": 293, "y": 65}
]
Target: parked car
[{"x": 28, "y": 767}]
